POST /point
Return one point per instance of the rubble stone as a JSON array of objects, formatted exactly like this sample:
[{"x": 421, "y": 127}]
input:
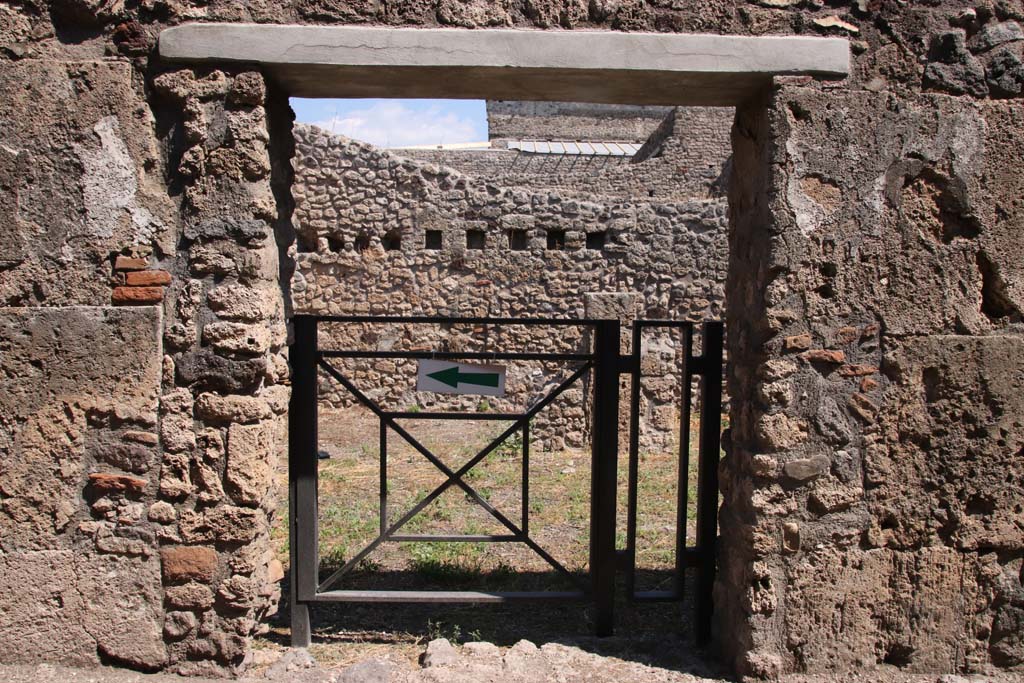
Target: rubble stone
[
  {"x": 249, "y": 467},
  {"x": 232, "y": 408},
  {"x": 439, "y": 653},
  {"x": 804, "y": 470},
  {"x": 188, "y": 563}
]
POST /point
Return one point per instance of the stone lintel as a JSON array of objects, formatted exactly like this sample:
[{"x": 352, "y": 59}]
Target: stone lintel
[{"x": 503, "y": 64}]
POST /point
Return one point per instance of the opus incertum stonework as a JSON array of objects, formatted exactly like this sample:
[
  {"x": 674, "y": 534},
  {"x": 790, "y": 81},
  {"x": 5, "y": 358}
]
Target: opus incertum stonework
[
  {"x": 379, "y": 232},
  {"x": 150, "y": 256}
]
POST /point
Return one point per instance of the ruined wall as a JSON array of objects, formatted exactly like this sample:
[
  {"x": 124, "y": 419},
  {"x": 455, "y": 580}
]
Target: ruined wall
[
  {"x": 139, "y": 413},
  {"x": 820, "y": 570},
  {"x": 80, "y": 185},
  {"x": 225, "y": 398},
  {"x": 687, "y": 158},
  {"x": 79, "y": 550},
  {"x": 874, "y": 485},
  {"x": 380, "y": 234},
  {"x": 507, "y": 120}
]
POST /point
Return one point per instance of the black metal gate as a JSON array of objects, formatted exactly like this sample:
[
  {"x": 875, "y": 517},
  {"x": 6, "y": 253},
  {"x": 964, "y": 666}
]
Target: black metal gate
[{"x": 606, "y": 364}]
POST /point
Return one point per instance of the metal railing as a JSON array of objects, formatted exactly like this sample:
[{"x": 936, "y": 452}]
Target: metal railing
[{"x": 605, "y": 364}]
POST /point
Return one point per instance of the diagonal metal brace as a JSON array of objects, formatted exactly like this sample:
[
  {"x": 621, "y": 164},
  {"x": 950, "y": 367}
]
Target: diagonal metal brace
[{"x": 453, "y": 477}]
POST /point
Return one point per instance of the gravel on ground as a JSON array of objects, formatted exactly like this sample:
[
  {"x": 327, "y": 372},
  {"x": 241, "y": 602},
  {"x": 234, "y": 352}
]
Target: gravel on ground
[{"x": 475, "y": 662}]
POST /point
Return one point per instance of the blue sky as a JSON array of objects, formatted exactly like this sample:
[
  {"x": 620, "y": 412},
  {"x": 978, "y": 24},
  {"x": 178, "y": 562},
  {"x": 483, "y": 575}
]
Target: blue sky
[{"x": 397, "y": 123}]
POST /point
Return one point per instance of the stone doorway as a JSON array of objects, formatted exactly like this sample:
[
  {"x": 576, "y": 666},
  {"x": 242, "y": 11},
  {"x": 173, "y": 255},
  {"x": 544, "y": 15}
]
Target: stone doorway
[
  {"x": 660, "y": 210},
  {"x": 706, "y": 82}
]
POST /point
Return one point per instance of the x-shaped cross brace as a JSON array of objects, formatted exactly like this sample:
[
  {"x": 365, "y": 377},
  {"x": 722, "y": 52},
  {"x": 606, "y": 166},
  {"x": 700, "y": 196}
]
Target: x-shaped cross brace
[{"x": 454, "y": 477}]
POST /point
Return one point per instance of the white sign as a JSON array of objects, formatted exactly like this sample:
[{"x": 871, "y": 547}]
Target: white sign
[{"x": 445, "y": 377}]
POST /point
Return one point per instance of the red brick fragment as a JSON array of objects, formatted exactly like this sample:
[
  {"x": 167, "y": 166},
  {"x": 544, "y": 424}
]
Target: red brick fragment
[
  {"x": 868, "y": 384},
  {"x": 863, "y": 407},
  {"x": 847, "y": 334},
  {"x": 104, "y": 484},
  {"x": 857, "y": 370},
  {"x": 130, "y": 263},
  {"x": 148, "y": 278},
  {"x": 824, "y": 356},
  {"x": 188, "y": 563},
  {"x": 138, "y": 295},
  {"x": 800, "y": 342}
]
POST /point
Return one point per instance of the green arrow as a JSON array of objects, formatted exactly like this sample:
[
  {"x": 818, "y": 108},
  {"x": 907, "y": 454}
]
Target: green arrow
[{"x": 453, "y": 377}]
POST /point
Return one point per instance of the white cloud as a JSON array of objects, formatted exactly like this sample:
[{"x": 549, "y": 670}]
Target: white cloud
[{"x": 394, "y": 124}]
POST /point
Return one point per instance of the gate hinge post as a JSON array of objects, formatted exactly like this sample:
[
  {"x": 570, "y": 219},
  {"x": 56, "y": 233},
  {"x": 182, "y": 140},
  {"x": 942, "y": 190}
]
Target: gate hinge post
[
  {"x": 604, "y": 472},
  {"x": 628, "y": 364}
]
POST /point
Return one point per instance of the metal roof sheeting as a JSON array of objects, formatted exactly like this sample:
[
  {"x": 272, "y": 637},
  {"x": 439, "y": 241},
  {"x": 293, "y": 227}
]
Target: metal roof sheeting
[{"x": 570, "y": 148}]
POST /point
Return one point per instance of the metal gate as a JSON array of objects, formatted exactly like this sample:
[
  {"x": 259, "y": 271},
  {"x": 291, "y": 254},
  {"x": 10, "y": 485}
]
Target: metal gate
[{"x": 606, "y": 364}]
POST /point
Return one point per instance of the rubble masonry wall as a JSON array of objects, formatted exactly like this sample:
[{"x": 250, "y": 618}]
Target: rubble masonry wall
[{"x": 875, "y": 291}]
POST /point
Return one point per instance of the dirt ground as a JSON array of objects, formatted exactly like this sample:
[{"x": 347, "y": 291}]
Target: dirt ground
[
  {"x": 559, "y": 508},
  {"x": 455, "y": 643},
  {"x": 483, "y": 663}
]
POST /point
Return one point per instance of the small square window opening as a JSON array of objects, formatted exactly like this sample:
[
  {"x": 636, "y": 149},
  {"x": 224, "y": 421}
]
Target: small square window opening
[
  {"x": 475, "y": 239},
  {"x": 433, "y": 240},
  {"x": 517, "y": 240},
  {"x": 596, "y": 240},
  {"x": 556, "y": 240}
]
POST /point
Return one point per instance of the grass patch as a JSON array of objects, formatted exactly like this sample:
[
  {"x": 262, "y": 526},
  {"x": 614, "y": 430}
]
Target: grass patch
[{"x": 559, "y": 506}]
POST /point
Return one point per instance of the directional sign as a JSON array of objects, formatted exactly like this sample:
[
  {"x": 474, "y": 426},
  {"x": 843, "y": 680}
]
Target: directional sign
[{"x": 444, "y": 377}]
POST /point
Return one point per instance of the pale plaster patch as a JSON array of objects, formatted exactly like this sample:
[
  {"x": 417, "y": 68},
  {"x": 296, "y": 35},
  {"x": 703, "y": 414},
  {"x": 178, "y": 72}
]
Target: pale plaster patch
[{"x": 110, "y": 185}]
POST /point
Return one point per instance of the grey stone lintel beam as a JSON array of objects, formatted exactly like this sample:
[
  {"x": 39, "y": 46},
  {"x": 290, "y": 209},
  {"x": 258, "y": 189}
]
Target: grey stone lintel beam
[{"x": 503, "y": 64}]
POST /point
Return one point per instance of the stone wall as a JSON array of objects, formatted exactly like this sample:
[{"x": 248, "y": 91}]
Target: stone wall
[
  {"x": 571, "y": 121},
  {"x": 79, "y": 553},
  {"x": 80, "y": 451},
  {"x": 873, "y": 488},
  {"x": 686, "y": 159},
  {"x": 141, "y": 338},
  {"x": 875, "y": 223},
  {"x": 381, "y": 234},
  {"x": 224, "y": 392}
]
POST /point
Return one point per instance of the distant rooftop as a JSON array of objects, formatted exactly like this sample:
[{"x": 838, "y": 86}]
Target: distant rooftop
[
  {"x": 450, "y": 145},
  {"x": 576, "y": 148}
]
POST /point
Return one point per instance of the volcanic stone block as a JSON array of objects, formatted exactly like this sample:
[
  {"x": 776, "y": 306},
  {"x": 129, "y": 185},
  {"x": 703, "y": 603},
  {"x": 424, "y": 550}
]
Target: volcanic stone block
[
  {"x": 237, "y": 337},
  {"x": 208, "y": 371},
  {"x": 190, "y": 596},
  {"x": 954, "y": 417},
  {"x": 65, "y": 374},
  {"x": 232, "y": 409},
  {"x": 247, "y": 231},
  {"x": 81, "y": 609},
  {"x": 81, "y": 132},
  {"x": 188, "y": 563},
  {"x": 248, "y": 470},
  {"x": 225, "y": 524}
]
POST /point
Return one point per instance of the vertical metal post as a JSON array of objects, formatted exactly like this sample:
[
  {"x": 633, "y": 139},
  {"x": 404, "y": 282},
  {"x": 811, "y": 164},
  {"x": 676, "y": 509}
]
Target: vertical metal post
[
  {"x": 683, "y": 476},
  {"x": 707, "y": 485},
  {"x": 634, "y": 460},
  {"x": 604, "y": 473},
  {"x": 383, "y": 483},
  {"x": 526, "y": 479},
  {"x": 302, "y": 477}
]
